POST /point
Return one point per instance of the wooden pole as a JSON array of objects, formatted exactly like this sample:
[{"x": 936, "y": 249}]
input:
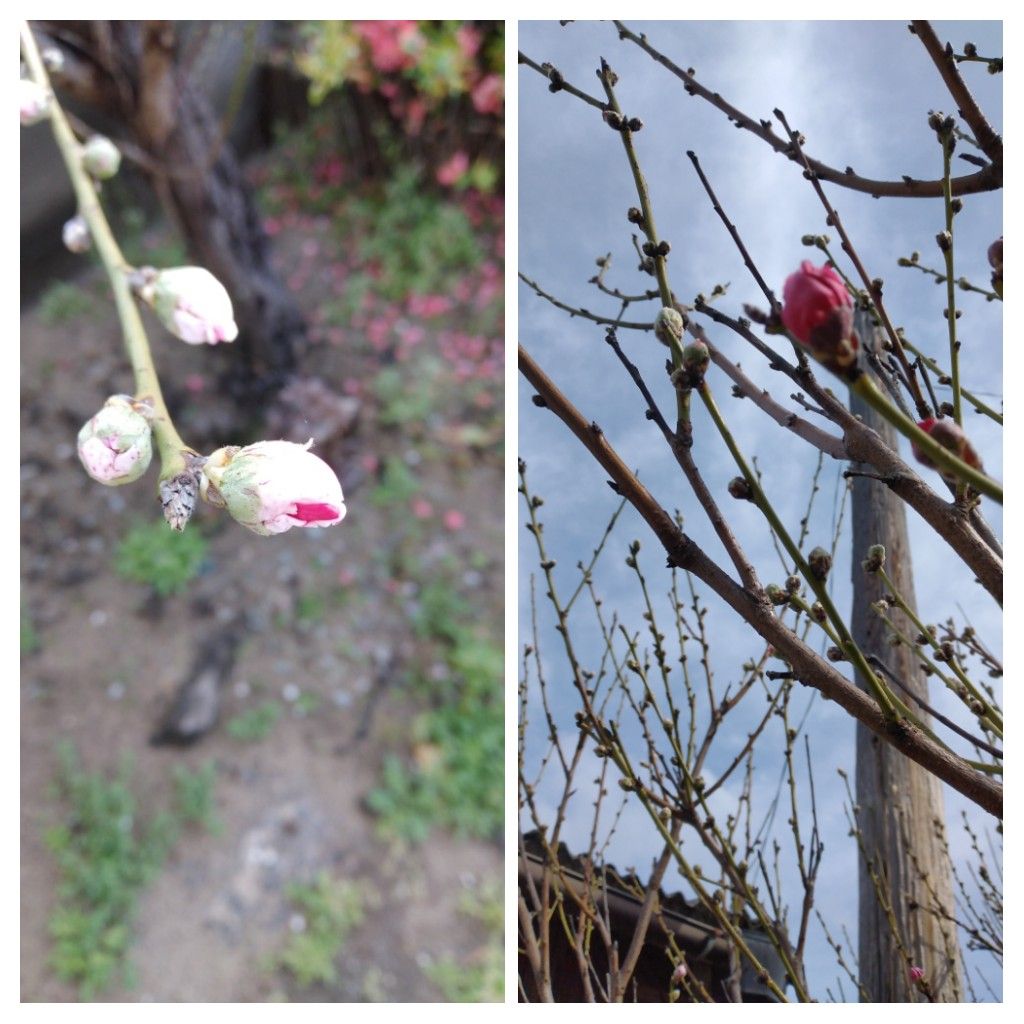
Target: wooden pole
[{"x": 901, "y": 814}]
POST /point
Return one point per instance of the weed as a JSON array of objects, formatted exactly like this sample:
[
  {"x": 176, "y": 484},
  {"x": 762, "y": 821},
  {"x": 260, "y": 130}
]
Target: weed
[
  {"x": 481, "y": 978},
  {"x": 62, "y": 303},
  {"x": 397, "y": 484},
  {"x": 310, "y": 609},
  {"x": 462, "y": 790},
  {"x": 106, "y": 851},
  {"x": 441, "y": 612},
  {"x": 332, "y": 909},
  {"x": 160, "y": 557},
  {"x": 194, "y": 796},
  {"x": 256, "y": 723},
  {"x": 406, "y": 400}
]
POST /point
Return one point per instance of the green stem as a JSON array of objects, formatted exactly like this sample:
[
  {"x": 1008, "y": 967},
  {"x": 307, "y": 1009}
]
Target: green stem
[
  {"x": 866, "y": 388},
  {"x": 169, "y": 444},
  {"x": 887, "y": 701},
  {"x": 954, "y": 345}
]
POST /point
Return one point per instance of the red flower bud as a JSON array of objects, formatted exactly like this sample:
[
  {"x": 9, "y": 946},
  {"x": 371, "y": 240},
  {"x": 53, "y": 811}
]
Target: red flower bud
[
  {"x": 818, "y": 312},
  {"x": 952, "y": 437}
]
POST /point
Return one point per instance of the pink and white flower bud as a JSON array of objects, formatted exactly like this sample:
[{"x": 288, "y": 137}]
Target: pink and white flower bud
[
  {"x": 35, "y": 102},
  {"x": 271, "y": 486},
  {"x": 116, "y": 445},
  {"x": 916, "y": 973},
  {"x": 192, "y": 304},
  {"x": 76, "y": 234},
  {"x": 818, "y": 311},
  {"x": 100, "y": 157}
]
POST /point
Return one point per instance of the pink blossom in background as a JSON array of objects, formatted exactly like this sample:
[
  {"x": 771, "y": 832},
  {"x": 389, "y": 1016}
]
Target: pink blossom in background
[
  {"x": 488, "y": 95},
  {"x": 195, "y": 383},
  {"x": 429, "y": 306},
  {"x": 369, "y": 462},
  {"x": 452, "y": 169},
  {"x": 347, "y": 576},
  {"x": 394, "y": 45},
  {"x": 454, "y": 520},
  {"x": 469, "y": 40},
  {"x": 415, "y": 115},
  {"x": 421, "y": 508}
]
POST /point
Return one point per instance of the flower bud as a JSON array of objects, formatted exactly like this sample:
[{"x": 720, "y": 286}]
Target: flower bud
[
  {"x": 76, "y": 235},
  {"x": 820, "y": 561},
  {"x": 116, "y": 445},
  {"x": 875, "y": 559},
  {"x": 35, "y": 102},
  {"x": 100, "y": 157},
  {"x": 668, "y": 324},
  {"x": 952, "y": 437},
  {"x": 271, "y": 486},
  {"x": 696, "y": 357},
  {"x": 818, "y": 312},
  {"x": 191, "y": 303},
  {"x": 916, "y": 973},
  {"x": 740, "y": 489},
  {"x": 776, "y": 594},
  {"x": 995, "y": 259}
]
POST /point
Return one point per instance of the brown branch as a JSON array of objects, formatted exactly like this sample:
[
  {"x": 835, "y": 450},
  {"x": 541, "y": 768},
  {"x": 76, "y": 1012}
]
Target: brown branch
[
  {"x": 807, "y": 666},
  {"x": 987, "y": 140},
  {"x": 985, "y": 180}
]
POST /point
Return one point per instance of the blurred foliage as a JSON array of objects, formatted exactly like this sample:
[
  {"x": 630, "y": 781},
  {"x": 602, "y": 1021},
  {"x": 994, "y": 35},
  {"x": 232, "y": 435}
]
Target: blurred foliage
[
  {"x": 441, "y": 84},
  {"x": 194, "y": 796},
  {"x": 256, "y": 723},
  {"x": 479, "y": 978},
  {"x": 160, "y": 557},
  {"x": 457, "y": 783},
  {"x": 415, "y": 241},
  {"x": 397, "y": 484},
  {"x": 106, "y": 850},
  {"x": 330, "y": 909},
  {"x": 439, "y": 59},
  {"x": 63, "y": 302}
]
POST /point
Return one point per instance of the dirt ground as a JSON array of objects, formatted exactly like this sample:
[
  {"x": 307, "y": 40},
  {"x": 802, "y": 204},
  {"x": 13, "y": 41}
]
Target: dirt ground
[{"x": 109, "y": 657}]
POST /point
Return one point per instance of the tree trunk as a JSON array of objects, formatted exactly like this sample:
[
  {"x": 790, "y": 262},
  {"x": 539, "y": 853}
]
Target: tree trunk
[{"x": 901, "y": 813}]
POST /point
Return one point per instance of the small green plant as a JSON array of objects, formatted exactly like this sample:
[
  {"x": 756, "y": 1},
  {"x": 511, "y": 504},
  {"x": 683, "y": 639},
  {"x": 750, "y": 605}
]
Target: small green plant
[
  {"x": 194, "y": 796},
  {"x": 256, "y": 723},
  {"x": 62, "y": 303},
  {"x": 160, "y": 557},
  {"x": 397, "y": 484},
  {"x": 477, "y": 980},
  {"x": 462, "y": 790},
  {"x": 331, "y": 909},
  {"x": 106, "y": 851},
  {"x": 404, "y": 399}
]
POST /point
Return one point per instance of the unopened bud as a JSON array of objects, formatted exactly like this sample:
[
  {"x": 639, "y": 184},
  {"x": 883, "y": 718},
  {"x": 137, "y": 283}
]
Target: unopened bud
[
  {"x": 271, "y": 486},
  {"x": 776, "y": 594},
  {"x": 875, "y": 559},
  {"x": 834, "y": 654},
  {"x": 191, "y": 303},
  {"x": 820, "y": 562},
  {"x": 34, "y": 101},
  {"x": 116, "y": 445},
  {"x": 818, "y": 612},
  {"x": 696, "y": 357},
  {"x": 613, "y": 120},
  {"x": 952, "y": 437},
  {"x": 634, "y": 215},
  {"x": 793, "y": 584},
  {"x": 668, "y": 325},
  {"x": 100, "y": 157},
  {"x": 76, "y": 235},
  {"x": 740, "y": 489}
]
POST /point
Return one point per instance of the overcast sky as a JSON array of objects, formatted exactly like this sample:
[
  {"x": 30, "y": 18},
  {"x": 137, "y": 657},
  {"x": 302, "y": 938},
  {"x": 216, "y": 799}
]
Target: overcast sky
[{"x": 860, "y": 92}]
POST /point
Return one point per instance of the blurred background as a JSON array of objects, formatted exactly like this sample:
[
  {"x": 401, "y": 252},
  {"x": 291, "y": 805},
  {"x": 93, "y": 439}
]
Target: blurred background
[{"x": 270, "y": 769}]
